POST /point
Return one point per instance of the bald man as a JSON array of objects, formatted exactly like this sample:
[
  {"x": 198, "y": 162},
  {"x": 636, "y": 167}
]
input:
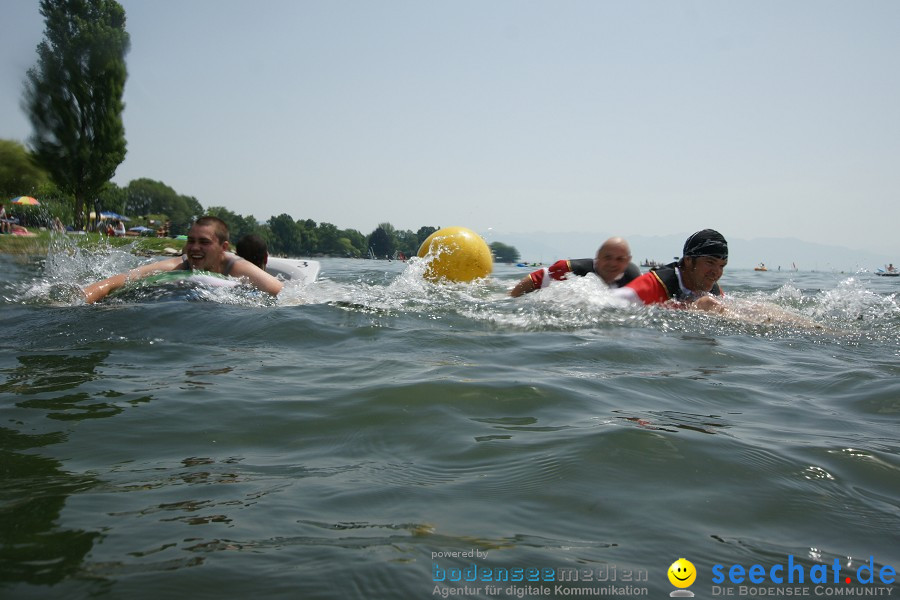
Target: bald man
[{"x": 612, "y": 264}]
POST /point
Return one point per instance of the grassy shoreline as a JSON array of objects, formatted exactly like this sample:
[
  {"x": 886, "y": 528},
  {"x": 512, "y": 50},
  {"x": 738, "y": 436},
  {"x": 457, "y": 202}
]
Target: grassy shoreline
[{"x": 39, "y": 244}]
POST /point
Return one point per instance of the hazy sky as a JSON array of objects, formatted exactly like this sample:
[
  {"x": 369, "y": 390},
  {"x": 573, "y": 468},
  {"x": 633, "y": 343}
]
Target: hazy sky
[{"x": 758, "y": 118}]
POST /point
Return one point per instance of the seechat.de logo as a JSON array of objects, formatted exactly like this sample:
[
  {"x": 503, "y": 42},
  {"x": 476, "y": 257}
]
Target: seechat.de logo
[{"x": 682, "y": 574}]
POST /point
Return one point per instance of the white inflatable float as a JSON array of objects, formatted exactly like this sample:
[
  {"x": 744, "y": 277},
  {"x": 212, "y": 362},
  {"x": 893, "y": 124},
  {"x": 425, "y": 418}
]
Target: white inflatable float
[{"x": 293, "y": 269}]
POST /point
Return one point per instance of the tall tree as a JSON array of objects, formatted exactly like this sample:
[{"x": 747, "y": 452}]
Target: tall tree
[
  {"x": 146, "y": 197},
  {"x": 309, "y": 236},
  {"x": 285, "y": 235},
  {"x": 423, "y": 233},
  {"x": 357, "y": 241},
  {"x": 329, "y": 237},
  {"x": 381, "y": 242},
  {"x": 73, "y": 96}
]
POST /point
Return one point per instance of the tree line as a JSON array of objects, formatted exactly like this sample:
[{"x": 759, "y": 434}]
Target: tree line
[
  {"x": 152, "y": 203},
  {"x": 73, "y": 98}
]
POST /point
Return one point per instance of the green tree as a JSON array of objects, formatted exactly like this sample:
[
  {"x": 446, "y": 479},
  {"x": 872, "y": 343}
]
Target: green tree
[
  {"x": 388, "y": 229},
  {"x": 112, "y": 197},
  {"x": 238, "y": 225},
  {"x": 329, "y": 239},
  {"x": 381, "y": 241},
  {"x": 148, "y": 197},
  {"x": 73, "y": 96},
  {"x": 504, "y": 253},
  {"x": 185, "y": 211},
  {"x": 346, "y": 248},
  {"x": 407, "y": 242},
  {"x": 309, "y": 236},
  {"x": 285, "y": 235},
  {"x": 19, "y": 175},
  {"x": 248, "y": 225},
  {"x": 357, "y": 241},
  {"x": 423, "y": 234},
  {"x": 54, "y": 202}
]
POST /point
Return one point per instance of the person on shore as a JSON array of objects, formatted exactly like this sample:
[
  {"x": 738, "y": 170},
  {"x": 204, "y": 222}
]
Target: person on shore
[
  {"x": 163, "y": 231},
  {"x": 119, "y": 229},
  {"x": 253, "y": 248},
  {"x": 206, "y": 250},
  {"x": 612, "y": 265},
  {"x": 692, "y": 281},
  {"x": 4, "y": 221}
]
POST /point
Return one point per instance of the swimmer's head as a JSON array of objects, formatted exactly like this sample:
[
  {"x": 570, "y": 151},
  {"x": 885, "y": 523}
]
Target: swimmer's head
[
  {"x": 706, "y": 242},
  {"x": 253, "y": 248}
]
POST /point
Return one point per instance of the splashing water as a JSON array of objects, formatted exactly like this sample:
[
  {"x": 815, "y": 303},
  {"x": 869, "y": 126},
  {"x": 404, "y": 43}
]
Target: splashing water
[{"x": 849, "y": 308}]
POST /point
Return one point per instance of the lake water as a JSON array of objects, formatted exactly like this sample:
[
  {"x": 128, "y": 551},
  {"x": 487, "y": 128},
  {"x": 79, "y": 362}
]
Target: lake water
[{"x": 346, "y": 441}]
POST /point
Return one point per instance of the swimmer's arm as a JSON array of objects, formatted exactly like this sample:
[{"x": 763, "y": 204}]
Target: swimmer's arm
[
  {"x": 707, "y": 303},
  {"x": 626, "y": 293},
  {"x": 101, "y": 289},
  {"x": 523, "y": 287},
  {"x": 257, "y": 277}
]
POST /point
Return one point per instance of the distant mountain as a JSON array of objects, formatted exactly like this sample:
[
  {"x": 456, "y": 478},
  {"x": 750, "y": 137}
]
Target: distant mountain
[{"x": 743, "y": 254}]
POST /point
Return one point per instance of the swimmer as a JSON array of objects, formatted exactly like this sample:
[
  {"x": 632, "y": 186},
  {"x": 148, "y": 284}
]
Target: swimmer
[
  {"x": 253, "y": 248},
  {"x": 691, "y": 282},
  {"x": 206, "y": 250},
  {"x": 612, "y": 265}
]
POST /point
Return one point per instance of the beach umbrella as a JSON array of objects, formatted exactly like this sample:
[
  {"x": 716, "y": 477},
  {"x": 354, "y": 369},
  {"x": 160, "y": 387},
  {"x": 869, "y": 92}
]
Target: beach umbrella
[
  {"x": 108, "y": 214},
  {"x": 140, "y": 229},
  {"x": 26, "y": 200}
]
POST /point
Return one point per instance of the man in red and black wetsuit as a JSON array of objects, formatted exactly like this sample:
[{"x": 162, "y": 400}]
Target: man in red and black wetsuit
[
  {"x": 692, "y": 280},
  {"x": 612, "y": 264}
]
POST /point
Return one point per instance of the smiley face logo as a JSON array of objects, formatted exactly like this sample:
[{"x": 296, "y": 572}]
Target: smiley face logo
[{"x": 682, "y": 573}]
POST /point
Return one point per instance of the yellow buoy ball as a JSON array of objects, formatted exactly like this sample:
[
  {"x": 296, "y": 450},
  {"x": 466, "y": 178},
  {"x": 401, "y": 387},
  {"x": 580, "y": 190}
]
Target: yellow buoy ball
[{"x": 457, "y": 254}]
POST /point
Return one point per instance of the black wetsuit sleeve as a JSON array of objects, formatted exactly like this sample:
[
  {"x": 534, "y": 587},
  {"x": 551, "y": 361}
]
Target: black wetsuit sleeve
[{"x": 632, "y": 272}]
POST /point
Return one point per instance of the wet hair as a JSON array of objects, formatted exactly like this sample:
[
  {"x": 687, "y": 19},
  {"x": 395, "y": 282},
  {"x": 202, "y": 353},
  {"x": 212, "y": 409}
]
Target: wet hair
[
  {"x": 706, "y": 242},
  {"x": 253, "y": 248},
  {"x": 220, "y": 228}
]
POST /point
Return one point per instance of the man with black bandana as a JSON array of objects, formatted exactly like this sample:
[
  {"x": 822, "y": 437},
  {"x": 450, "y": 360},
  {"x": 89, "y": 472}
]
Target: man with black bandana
[{"x": 691, "y": 280}]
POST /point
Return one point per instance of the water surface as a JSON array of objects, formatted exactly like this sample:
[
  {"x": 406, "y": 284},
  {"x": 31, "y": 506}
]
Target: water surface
[{"x": 328, "y": 445}]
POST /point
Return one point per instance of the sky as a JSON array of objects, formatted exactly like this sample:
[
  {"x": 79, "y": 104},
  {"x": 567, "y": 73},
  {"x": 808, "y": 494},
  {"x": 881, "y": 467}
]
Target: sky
[{"x": 762, "y": 118}]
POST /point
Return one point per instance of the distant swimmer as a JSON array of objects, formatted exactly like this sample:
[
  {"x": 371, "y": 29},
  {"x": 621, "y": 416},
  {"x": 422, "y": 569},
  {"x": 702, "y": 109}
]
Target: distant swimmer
[
  {"x": 690, "y": 281},
  {"x": 253, "y": 248},
  {"x": 612, "y": 265},
  {"x": 206, "y": 250}
]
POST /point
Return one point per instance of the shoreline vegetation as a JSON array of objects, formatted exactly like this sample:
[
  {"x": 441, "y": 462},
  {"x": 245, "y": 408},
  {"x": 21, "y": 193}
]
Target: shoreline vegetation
[{"x": 40, "y": 243}]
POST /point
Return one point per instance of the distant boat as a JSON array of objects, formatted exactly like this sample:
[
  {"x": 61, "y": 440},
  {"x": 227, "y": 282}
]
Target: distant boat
[
  {"x": 889, "y": 271},
  {"x": 761, "y": 267},
  {"x": 651, "y": 264}
]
